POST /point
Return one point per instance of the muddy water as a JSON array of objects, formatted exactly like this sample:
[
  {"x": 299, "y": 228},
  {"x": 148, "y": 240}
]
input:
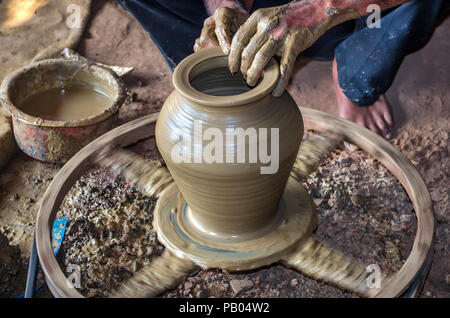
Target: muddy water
[{"x": 67, "y": 103}]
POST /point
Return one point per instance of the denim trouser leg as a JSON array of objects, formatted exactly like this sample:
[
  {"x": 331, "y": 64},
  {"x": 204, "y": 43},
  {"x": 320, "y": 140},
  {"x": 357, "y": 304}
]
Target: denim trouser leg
[
  {"x": 369, "y": 58},
  {"x": 172, "y": 24}
]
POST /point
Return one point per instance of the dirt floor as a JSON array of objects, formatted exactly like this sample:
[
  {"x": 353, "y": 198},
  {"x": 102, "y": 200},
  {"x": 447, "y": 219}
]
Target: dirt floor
[{"x": 420, "y": 97}]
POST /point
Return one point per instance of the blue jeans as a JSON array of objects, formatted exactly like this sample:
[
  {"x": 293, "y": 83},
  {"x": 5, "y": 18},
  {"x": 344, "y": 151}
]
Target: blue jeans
[{"x": 367, "y": 58}]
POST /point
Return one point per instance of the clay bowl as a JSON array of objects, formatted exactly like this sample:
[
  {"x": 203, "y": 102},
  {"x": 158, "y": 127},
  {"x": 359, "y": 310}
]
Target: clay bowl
[{"x": 56, "y": 141}]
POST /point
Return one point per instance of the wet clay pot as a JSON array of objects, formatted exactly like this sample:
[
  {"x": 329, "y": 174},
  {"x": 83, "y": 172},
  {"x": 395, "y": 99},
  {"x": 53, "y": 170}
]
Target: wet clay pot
[
  {"x": 227, "y": 200},
  {"x": 57, "y": 141}
]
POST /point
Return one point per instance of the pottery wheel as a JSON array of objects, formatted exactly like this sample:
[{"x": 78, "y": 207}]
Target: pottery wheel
[
  {"x": 186, "y": 251},
  {"x": 296, "y": 219}
]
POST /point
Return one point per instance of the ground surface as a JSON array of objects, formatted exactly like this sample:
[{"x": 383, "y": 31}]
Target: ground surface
[{"x": 420, "y": 97}]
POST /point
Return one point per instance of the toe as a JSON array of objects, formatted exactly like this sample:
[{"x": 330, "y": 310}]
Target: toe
[
  {"x": 360, "y": 121},
  {"x": 372, "y": 126},
  {"x": 381, "y": 124},
  {"x": 388, "y": 118},
  {"x": 385, "y": 110}
]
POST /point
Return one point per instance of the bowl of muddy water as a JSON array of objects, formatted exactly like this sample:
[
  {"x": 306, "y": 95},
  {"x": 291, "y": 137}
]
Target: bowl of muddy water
[{"x": 59, "y": 106}]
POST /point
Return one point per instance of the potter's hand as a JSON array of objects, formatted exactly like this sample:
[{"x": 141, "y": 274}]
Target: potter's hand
[
  {"x": 219, "y": 29},
  {"x": 286, "y": 31}
]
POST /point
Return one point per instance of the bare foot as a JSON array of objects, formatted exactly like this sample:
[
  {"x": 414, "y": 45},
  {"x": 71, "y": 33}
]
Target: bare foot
[{"x": 377, "y": 117}]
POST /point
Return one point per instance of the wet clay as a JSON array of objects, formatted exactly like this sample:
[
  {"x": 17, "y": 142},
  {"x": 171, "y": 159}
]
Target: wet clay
[
  {"x": 66, "y": 103},
  {"x": 227, "y": 201}
]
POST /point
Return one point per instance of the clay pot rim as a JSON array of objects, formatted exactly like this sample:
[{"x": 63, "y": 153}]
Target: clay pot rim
[
  {"x": 182, "y": 84},
  {"x": 16, "y": 113}
]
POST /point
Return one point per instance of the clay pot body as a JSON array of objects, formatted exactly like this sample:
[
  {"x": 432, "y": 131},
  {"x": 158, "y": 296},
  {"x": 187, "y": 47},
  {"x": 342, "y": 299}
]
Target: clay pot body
[{"x": 227, "y": 200}]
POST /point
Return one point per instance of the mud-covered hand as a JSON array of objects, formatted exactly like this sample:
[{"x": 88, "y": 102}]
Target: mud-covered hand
[
  {"x": 286, "y": 31},
  {"x": 219, "y": 29}
]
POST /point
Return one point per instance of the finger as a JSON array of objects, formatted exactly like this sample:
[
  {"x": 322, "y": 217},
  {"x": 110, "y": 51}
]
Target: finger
[
  {"x": 252, "y": 48},
  {"x": 197, "y": 46},
  {"x": 208, "y": 35},
  {"x": 286, "y": 66},
  {"x": 280, "y": 51},
  {"x": 209, "y": 43},
  {"x": 223, "y": 33},
  {"x": 208, "y": 28},
  {"x": 240, "y": 41},
  {"x": 200, "y": 45},
  {"x": 261, "y": 59}
]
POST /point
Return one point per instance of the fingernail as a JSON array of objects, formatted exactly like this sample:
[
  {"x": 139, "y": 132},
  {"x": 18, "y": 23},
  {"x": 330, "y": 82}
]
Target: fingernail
[{"x": 251, "y": 82}]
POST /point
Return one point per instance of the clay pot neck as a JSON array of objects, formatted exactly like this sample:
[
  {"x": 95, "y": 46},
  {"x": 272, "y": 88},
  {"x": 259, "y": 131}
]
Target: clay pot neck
[{"x": 204, "y": 79}]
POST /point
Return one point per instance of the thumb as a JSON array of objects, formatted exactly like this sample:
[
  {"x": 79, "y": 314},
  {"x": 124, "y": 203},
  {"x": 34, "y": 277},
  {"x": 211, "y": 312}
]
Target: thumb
[
  {"x": 286, "y": 67},
  {"x": 223, "y": 35}
]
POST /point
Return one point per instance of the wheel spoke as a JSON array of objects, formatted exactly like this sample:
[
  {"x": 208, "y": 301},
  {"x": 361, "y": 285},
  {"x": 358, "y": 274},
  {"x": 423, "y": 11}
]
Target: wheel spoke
[
  {"x": 312, "y": 152},
  {"x": 163, "y": 273},
  {"x": 320, "y": 262},
  {"x": 149, "y": 176}
]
